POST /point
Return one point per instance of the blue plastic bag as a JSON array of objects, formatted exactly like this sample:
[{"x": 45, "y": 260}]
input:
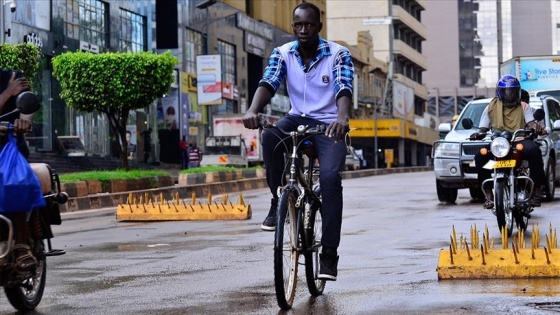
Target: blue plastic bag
[{"x": 20, "y": 187}]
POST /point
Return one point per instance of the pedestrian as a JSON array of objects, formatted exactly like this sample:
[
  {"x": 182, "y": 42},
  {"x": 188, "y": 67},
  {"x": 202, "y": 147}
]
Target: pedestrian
[
  {"x": 147, "y": 135},
  {"x": 195, "y": 156},
  {"x": 318, "y": 74},
  {"x": 184, "y": 151}
]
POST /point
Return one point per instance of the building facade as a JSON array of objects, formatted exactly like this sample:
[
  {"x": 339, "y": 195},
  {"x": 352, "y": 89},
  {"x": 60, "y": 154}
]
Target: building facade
[
  {"x": 468, "y": 40},
  {"x": 235, "y": 37},
  {"x": 397, "y": 128}
]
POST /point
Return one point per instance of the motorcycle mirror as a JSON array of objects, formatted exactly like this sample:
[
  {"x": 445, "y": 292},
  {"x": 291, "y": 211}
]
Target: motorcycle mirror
[
  {"x": 467, "y": 123},
  {"x": 27, "y": 103},
  {"x": 538, "y": 115}
]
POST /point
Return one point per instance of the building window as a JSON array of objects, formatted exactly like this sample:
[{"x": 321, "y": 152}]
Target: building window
[
  {"x": 132, "y": 34},
  {"x": 193, "y": 47},
  {"x": 227, "y": 51},
  {"x": 87, "y": 20}
]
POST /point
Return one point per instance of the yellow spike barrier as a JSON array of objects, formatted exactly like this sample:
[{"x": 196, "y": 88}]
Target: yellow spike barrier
[
  {"x": 538, "y": 261},
  {"x": 179, "y": 210}
]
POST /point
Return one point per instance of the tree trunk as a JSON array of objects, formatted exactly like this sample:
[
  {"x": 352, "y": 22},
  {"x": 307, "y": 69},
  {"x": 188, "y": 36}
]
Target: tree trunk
[{"x": 119, "y": 130}]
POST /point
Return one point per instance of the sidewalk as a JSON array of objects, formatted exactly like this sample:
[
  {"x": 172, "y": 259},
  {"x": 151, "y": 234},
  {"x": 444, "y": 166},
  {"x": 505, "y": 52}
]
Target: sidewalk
[{"x": 201, "y": 184}]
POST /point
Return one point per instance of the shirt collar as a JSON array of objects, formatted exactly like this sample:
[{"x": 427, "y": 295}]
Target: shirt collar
[{"x": 322, "y": 50}]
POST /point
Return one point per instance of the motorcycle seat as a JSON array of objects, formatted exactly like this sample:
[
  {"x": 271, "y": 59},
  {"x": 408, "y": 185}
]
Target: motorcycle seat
[{"x": 43, "y": 172}]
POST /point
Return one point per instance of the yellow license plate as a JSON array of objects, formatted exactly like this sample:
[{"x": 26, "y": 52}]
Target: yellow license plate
[{"x": 504, "y": 164}]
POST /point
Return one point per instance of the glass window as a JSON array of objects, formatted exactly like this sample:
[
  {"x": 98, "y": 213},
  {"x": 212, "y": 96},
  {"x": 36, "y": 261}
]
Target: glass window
[
  {"x": 86, "y": 20},
  {"x": 132, "y": 32},
  {"x": 193, "y": 47},
  {"x": 227, "y": 51}
]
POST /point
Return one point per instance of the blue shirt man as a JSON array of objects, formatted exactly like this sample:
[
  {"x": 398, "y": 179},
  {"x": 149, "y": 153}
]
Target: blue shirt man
[{"x": 318, "y": 75}]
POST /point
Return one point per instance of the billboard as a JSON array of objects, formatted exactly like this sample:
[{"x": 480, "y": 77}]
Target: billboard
[{"x": 209, "y": 79}]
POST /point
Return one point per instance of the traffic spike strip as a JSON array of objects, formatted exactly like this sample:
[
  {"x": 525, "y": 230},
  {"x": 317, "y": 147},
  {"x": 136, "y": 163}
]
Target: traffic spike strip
[
  {"x": 144, "y": 208},
  {"x": 480, "y": 260}
]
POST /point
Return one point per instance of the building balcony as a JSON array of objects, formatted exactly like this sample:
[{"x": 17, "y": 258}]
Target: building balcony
[
  {"x": 401, "y": 48},
  {"x": 404, "y": 17}
]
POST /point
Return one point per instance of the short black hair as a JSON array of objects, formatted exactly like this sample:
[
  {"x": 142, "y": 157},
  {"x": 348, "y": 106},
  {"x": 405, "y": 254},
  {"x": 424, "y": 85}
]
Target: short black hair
[{"x": 307, "y": 5}]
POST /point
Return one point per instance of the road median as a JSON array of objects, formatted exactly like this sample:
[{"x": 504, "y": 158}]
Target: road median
[{"x": 202, "y": 184}]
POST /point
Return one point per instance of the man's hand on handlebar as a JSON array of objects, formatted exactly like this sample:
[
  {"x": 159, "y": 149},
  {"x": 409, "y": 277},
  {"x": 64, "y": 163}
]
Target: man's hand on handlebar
[
  {"x": 250, "y": 120},
  {"x": 22, "y": 126},
  {"x": 337, "y": 129},
  {"x": 539, "y": 129}
]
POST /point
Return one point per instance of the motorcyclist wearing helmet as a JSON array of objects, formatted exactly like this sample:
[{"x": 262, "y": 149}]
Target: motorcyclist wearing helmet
[{"x": 507, "y": 113}]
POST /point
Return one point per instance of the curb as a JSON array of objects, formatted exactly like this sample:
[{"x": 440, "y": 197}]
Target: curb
[{"x": 202, "y": 184}]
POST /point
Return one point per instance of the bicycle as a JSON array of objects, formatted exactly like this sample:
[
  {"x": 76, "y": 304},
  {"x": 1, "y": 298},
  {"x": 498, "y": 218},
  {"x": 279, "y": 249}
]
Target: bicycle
[{"x": 298, "y": 223}]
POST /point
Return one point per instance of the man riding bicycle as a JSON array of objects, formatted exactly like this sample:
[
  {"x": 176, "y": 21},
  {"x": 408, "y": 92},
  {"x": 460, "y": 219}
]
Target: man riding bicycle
[{"x": 318, "y": 76}]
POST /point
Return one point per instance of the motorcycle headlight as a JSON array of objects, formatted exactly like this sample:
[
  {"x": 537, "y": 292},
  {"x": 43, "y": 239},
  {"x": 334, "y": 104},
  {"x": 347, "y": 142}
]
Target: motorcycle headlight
[
  {"x": 500, "y": 147},
  {"x": 447, "y": 149}
]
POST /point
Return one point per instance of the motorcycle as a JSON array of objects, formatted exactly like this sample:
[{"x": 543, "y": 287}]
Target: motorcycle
[
  {"x": 25, "y": 290},
  {"x": 510, "y": 179}
]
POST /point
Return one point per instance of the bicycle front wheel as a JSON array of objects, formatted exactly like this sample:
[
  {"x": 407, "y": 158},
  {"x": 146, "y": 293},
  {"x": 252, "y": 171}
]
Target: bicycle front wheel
[
  {"x": 286, "y": 253},
  {"x": 313, "y": 233}
]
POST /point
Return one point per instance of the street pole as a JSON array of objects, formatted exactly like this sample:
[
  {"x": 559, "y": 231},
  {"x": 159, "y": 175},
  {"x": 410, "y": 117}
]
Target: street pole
[{"x": 376, "y": 156}]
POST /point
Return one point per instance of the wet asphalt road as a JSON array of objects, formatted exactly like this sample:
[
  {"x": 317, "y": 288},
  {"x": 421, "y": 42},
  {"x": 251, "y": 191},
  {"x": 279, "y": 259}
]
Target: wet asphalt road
[{"x": 393, "y": 230}]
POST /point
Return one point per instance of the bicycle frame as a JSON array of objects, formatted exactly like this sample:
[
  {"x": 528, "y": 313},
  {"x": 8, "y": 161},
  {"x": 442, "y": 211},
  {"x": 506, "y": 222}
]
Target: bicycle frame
[{"x": 302, "y": 183}]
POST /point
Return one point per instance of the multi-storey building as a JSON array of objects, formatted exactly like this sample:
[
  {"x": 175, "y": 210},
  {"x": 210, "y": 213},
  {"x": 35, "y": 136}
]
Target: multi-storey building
[
  {"x": 240, "y": 35},
  {"x": 399, "y": 121},
  {"x": 467, "y": 41}
]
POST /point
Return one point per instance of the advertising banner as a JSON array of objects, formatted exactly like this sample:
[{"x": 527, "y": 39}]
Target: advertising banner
[
  {"x": 209, "y": 79},
  {"x": 403, "y": 101},
  {"x": 539, "y": 74}
]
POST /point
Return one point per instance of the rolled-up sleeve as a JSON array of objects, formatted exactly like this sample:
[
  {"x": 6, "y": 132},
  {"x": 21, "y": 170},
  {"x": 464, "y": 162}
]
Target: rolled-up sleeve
[
  {"x": 274, "y": 72},
  {"x": 343, "y": 74}
]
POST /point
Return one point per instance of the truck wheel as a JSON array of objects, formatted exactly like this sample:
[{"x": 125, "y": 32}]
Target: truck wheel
[
  {"x": 446, "y": 194},
  {"x": 549, "y": 188},
  {"x": 477, "y": 194}
]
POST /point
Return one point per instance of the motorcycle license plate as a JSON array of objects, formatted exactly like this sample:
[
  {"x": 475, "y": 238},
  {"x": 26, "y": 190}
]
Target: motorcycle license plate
[{"x": 504, "y": 164}]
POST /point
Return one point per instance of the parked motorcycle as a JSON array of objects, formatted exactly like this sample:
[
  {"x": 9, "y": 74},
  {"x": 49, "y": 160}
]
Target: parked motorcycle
[
  {"x": 25, "y": 290},
  {"x": 510, "y": 178}
]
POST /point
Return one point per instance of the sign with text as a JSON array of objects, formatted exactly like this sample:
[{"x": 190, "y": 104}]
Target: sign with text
[{"x": 209, "y": 79}]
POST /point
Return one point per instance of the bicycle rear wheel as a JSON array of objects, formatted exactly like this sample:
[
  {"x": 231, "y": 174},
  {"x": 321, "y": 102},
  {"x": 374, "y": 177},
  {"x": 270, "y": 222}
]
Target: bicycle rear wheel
[
  {"x": 313, "y": 234},
  {"x": 286, "y": 253}
]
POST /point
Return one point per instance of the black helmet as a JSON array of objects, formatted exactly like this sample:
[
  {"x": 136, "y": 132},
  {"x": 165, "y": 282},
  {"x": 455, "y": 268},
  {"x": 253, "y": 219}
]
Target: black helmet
[{"x": 508, "y": 90}]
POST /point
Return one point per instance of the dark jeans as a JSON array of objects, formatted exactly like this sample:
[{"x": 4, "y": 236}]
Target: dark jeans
[
  {"x": 331, "y": 157},
  {"x": 184, "y": 159},
  {"x": 530, "y": 153}
]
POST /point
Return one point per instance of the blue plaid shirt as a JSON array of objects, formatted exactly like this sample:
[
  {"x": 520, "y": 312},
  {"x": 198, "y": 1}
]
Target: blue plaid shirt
[{"x": 343, "y": 71}]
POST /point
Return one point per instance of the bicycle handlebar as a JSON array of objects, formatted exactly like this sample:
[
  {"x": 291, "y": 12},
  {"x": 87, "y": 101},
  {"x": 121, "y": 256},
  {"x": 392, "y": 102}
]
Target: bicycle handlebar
[{"x": 301, "y": 130}]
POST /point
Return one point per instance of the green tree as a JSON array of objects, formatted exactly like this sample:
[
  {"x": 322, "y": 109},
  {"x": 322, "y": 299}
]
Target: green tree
[
  {"x": 114, "y": 84},
  {"x": 24, "y": 57}
]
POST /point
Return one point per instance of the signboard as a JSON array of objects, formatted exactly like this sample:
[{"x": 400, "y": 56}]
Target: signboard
[
  {"x": 388, "y": 128},
  {"x": 255, "y": 45},
  {"x": 539, "y": 74},
  {"x": 403, "y": 101},
  {"x": 209, "y": 79}
]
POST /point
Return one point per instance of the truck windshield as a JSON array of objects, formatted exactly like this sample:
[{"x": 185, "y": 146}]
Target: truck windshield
[
  {"x": 472, "y": 111},
  {"x": 223, "y": 145}
]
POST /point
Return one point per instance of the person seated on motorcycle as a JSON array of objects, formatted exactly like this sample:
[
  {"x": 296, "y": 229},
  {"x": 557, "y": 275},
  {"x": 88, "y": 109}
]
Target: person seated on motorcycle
[
  {"x": 506, "y": 112},
  {"x": 12, "y": 83}
]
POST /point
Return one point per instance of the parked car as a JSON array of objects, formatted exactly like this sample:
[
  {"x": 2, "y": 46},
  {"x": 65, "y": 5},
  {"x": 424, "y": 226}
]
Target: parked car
[
  {"x": 453, "y": 155},
  {"x": 353, "y": 162}
]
